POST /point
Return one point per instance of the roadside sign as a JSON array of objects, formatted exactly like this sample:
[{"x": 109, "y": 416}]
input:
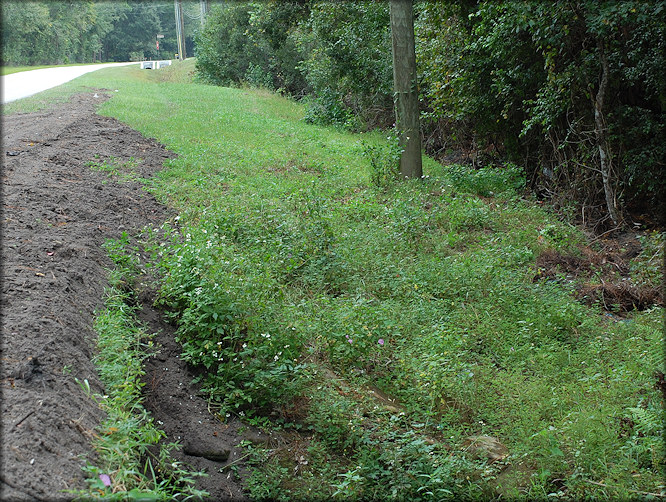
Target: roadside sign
[{"x": 160, "y": 36}]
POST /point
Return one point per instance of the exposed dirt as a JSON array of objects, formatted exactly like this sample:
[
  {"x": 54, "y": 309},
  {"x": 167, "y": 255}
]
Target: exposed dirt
[
  {"x": 57, "y": 212},
  {"x": 602, "y": 276}
]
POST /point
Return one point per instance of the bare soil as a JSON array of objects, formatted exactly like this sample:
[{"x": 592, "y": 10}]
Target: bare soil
[
  {"x": 602, "y": 276},
  {"x": 57, "y": 212}
]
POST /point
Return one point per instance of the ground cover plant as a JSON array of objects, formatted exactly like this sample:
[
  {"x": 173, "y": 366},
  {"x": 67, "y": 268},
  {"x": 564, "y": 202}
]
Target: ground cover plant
[{"x": 389, "y": 330}]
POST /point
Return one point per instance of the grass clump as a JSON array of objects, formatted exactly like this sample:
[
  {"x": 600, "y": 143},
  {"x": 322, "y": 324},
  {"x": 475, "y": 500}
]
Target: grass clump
[{"x": 380, "y": 327}]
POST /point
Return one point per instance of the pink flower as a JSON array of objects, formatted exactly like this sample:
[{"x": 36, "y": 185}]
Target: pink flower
[
  {"x": 105, "y": 479},
  {"x": 380, "y": 341},
  {"x": 348, "y": 339}
]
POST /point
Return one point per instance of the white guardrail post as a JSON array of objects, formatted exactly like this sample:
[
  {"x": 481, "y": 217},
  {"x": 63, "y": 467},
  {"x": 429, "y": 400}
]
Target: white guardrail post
[{"x": 154, "y": 65}]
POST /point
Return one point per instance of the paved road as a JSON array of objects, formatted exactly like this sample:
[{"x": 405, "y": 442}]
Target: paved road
[{"x": 26, "y": 83}]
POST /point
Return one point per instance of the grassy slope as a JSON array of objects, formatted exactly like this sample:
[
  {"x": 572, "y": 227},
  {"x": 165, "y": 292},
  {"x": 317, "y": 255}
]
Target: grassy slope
[{"x": 287, "y": 237}]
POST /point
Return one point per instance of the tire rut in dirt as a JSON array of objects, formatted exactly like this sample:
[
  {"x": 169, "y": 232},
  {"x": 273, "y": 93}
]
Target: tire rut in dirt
[{"x": 208, "y": 444}]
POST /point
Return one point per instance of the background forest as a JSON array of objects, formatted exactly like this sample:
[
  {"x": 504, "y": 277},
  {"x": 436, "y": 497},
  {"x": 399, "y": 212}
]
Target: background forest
[
  {"x": 75, "y": 31},
  {"x": 553, "y": 87}
]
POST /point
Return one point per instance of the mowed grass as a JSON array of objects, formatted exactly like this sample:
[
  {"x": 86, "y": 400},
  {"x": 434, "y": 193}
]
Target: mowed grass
[
  {"x": 8, "y": 70},
  {"x": 382, "y": 328}
]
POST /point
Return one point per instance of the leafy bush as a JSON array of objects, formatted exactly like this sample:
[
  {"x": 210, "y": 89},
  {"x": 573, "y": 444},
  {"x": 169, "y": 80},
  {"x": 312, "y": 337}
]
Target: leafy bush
[
  {"x": 224, "y": 55},
  {"x": 248, "y": 42},
  {"x": 346, "y": 53},
  {"x": 384, "y": 160},
  {"x": 487, "y": 181},
  {"x": 249, "y": 360},
  {"x": 328, "y": 109},
  {"x": 521, "y": 79}
]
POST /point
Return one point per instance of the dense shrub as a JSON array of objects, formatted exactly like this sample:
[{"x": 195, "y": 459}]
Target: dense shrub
[
  {"x": 521, "y": 79},
  {"x": 249, "y": 43},
  {"x": 346, "y": 51}
]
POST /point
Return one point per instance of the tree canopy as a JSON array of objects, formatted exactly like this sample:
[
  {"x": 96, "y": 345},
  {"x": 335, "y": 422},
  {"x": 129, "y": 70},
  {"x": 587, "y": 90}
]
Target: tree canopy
[{"x": 79, "y": 31}]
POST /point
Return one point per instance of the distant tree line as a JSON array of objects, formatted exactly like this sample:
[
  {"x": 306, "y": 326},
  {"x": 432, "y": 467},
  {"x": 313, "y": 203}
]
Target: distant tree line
[
  {"x": 76, "y": 31},
  {"x": 575, "y": 92}
]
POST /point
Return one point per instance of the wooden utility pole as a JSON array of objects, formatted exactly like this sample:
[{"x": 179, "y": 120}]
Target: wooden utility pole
[
  {"x": 406, "y": 96},
  {"x": 180, "y": 28},
  {"x": 204, "y": 7}
]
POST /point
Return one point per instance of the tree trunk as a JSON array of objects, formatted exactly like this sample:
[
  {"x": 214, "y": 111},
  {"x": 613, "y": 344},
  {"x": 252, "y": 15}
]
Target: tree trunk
[
  {"x": 605, "y": 155},
  {"x": 406, "y": 94}
]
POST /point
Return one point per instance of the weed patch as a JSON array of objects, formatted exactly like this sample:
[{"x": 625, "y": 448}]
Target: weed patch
[{"x": 122, "y": 170}]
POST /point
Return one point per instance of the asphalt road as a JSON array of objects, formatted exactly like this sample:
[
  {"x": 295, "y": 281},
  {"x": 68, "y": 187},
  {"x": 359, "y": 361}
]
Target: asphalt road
[{"x": 26, "y": 83}]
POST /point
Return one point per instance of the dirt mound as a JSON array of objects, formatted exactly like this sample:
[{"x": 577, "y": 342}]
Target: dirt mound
[
  {"x": 622, "y": 296},
  {"x": 601, "y": 276},
  {"x": 57, "y": 212}
]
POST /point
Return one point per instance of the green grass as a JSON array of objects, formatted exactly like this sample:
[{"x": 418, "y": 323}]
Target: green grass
[
  {"x": 106, "y": 78},
  {"x": 302, "y": 286},
  {"x": 123, "y": 440},
  {"x": 8, "y": 70}
]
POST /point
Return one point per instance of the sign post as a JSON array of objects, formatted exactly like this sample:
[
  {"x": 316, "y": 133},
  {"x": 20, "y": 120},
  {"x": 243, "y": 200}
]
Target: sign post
[{"x": 157, "y": 44}]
